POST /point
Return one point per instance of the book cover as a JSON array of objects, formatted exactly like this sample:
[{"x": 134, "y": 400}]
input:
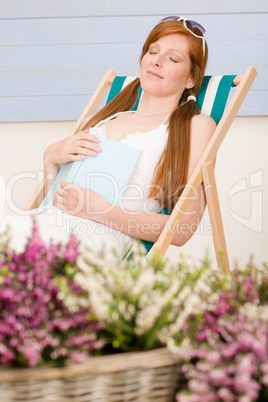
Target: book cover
[{"x": 107, "y": 173}]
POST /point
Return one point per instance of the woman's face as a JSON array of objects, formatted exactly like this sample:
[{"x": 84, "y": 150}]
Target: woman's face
[{"x": 165, "y": 68}]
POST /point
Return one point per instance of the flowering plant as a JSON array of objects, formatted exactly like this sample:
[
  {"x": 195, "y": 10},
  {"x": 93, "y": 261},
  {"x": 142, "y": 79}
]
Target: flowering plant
[
  {"x": 225, "y": 350},
  {"x": 62, "y": 302},
  {"x": 35, "y": 326},
  {"x": 215, "y": 323},
  {"x": 141, "y": 302}
]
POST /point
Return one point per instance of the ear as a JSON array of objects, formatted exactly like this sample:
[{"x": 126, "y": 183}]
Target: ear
[{"x": 190, "y": 82}]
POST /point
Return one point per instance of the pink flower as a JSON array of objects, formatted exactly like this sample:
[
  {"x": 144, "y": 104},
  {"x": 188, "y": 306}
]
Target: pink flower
[
  {"x": 33, "y": 319},
  {"x": 31, "y": 353},
  {"x": 209, "y": 318},
  {"x": 221, "y": 309},
  {"x": 230, "y": 350},
  {"x": 78, "y": 357},
  {"x": 213, "y": 357},
  {"x": 202, "y": 335},
  {"x": 226, "y": 395}
]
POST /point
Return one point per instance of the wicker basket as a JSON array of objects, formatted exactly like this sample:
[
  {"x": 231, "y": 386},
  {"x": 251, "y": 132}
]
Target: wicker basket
[{"x": 138, "y": 376}]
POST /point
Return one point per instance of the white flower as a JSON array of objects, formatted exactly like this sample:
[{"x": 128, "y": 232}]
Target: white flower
[
  {"x": 255, "y": 312},
  {"x": 172, "y": 347},
  {"x": 145, "y": 280}
]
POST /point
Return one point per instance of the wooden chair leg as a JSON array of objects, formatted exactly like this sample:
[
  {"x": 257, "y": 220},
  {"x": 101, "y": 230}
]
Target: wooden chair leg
[{"x": 215, "y": 216}]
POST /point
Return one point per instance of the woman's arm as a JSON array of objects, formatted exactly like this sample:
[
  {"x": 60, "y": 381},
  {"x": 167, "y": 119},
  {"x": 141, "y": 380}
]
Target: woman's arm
[
  {"x": 87, "y": 204},
  {"x": 67, "y": 150}
]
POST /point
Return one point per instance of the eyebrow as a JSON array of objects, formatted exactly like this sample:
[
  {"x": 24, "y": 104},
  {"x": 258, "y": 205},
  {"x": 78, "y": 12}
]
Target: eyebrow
[{"x": 169, "y": 50}]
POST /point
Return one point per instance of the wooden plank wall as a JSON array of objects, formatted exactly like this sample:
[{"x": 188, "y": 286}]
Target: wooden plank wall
[{"x": 53, "y": 53}]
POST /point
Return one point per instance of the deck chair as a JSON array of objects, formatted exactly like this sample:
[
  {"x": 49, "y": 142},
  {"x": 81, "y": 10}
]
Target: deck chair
[{"x": 211, "y": 100}]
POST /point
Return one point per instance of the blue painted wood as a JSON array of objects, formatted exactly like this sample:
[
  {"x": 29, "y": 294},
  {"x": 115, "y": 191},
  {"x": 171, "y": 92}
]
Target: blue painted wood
[
  {"x": 260, "y": 83},
  {"x": 83, "y": 82},
  {"x": 83, "y": 56},
  {"x": 53, "y": 54},
  {"x": 52, "y": 31},
  {"x": 70, "y": 8},
  {"x": 18, "y": 109},
  {"x": 51, "y": 83},
  {"x": 60, "y": 57},
  {"x": 255, "y": 104}
]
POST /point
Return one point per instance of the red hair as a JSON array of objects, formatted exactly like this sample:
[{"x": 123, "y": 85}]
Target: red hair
[{"x": 171, "y": 172}]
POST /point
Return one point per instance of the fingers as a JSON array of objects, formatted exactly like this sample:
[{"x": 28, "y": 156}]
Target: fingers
[
  {"x": 67, "y": 198},
  {"x": 90, "y": 145},
  {"x": 61, "y": 195},
  {"x": 74, "y": 157},
  {"x": 78, "y": 153},
  {"x": 87, "y": 148},
  {"x": 85, "y": 144},
  {"x": 73, "y": 148},
  {"x": 59, "y": 201},
  {"x": 66, "y": 192},
  {"x": 65, "y": 185},
  {"x": 84, "y": 135}
]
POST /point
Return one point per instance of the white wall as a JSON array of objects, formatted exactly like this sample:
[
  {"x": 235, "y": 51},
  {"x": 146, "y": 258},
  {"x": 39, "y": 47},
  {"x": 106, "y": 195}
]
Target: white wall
[{"x": 241, "y": 172}]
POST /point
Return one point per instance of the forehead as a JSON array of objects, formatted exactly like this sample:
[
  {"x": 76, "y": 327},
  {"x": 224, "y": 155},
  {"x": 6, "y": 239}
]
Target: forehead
[{"x": 176, "y": 41}]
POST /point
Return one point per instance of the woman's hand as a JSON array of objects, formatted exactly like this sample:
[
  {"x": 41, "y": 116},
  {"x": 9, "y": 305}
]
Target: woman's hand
[
  {"x": 72, "y": 148},
  {"x": 81, "y": 202}
]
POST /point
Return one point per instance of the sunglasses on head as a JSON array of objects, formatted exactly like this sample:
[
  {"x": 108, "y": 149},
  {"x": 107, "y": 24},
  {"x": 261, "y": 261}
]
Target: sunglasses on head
[{"x": 192, "y": 26}]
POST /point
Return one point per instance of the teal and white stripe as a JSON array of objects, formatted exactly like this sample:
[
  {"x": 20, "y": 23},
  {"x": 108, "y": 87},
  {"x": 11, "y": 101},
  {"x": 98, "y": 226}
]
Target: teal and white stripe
[
  {"x": 210, "y": 94},
  {"x": 211, "y": 98},
  {"x": 213, "y": 95},
  {"x": 127, "y": 81}
]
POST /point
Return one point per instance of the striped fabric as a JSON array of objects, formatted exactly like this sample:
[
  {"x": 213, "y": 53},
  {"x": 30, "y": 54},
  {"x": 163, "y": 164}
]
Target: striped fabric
[
  {"x": 211, "y": 100},
  {"x": 213, "y": 95}
]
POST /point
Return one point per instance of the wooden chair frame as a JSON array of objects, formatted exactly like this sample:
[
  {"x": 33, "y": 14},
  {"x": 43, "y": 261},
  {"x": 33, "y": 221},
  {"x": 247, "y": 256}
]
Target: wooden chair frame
[{"x": 203, "y": 172}]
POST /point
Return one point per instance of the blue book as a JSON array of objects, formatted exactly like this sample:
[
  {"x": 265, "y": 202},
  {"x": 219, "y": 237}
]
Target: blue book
[{"x": 107, "y": 173}]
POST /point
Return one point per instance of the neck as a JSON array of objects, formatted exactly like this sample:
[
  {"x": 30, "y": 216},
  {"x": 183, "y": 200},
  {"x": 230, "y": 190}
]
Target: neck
[{"x": 156, "y": 106}]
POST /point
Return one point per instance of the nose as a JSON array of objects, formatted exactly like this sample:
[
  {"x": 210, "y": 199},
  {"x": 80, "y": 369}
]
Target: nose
[{"x": 157, "y": 60}]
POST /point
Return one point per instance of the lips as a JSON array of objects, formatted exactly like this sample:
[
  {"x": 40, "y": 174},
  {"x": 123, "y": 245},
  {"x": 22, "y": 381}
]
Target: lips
[{"x": 154, "y": 74}]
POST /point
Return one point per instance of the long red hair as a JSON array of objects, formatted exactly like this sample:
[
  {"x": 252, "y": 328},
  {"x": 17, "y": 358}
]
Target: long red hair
[{"x": 171, "y": 172}]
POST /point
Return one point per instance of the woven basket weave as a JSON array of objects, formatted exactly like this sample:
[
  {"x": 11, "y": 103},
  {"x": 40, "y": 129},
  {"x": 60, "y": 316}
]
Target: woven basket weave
[{"x": 138, "y": 376}]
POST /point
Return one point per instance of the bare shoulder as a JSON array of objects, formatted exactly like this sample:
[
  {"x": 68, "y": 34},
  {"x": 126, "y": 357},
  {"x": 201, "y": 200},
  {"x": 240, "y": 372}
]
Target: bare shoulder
[{"x": 202, "y": 127}]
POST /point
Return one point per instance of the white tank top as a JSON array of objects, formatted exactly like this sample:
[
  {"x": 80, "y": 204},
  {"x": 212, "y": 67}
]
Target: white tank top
[{"x": 152, "y": 144}]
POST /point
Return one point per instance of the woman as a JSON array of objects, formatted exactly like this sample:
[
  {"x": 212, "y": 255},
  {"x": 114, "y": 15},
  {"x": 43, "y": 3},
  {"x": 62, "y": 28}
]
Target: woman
[{"x": 167, "y": 127}]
